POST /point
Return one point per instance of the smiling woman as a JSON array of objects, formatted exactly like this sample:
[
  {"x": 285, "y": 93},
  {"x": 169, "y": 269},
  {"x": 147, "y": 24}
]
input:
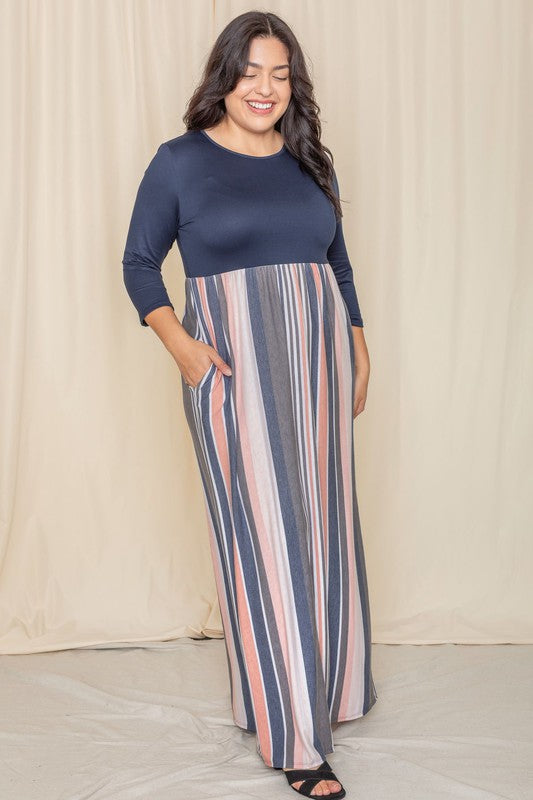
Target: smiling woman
[
  {"x": 267, "y": 354},
  {"x": 257, "y": 94}
]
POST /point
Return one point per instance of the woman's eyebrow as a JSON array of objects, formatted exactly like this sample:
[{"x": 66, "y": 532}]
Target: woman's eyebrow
[{"x": 253, "y": 64}]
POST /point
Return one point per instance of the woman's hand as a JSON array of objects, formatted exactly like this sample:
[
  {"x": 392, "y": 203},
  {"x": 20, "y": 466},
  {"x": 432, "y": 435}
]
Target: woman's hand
[
  {"x": 362, "y": 370},
  {"x": 192, "y": 356},
  {"x": 195, "y": 359}
]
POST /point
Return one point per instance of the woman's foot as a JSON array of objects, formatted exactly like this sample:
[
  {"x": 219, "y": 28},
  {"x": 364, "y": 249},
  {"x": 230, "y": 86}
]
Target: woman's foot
[{"x": 322, "y": 788}]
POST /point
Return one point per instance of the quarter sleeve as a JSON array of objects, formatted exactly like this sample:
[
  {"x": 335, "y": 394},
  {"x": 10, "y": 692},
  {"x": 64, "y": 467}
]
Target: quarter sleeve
[
  {"x": 340, "y": 262},
  {"x": 152, "y": 231}
]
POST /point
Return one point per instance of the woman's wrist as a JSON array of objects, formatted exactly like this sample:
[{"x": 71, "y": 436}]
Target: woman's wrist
[{"x": 362, "y": 359}]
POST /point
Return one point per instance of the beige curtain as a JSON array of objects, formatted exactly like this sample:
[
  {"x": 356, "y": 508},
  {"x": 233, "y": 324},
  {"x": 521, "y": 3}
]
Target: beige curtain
[{"x": 427, "y": 109}]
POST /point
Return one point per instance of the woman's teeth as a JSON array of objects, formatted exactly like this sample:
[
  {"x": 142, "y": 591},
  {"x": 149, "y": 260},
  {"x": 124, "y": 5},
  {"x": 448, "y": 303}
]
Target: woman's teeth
[{"x": 260, "y": 106}]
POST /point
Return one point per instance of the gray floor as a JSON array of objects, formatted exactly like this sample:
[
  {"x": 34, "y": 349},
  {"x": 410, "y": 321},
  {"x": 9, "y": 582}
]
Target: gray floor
[{"x": 121, "y": 722}]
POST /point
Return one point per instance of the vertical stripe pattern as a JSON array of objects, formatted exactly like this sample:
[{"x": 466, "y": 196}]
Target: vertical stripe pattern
[{"x": 274, "y": 443}]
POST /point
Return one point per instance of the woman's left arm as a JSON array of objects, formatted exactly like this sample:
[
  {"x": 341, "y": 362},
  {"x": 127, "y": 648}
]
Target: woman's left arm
[{"x": 340, "y": 262}]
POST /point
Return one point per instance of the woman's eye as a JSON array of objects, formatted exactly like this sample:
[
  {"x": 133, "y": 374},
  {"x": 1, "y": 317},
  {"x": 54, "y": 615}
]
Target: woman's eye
[{"x": 276, "y": 78}]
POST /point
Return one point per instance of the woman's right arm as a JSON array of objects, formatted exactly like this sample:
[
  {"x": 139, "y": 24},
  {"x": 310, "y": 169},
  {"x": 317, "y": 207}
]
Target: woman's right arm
[{"x": 152, "y": 231}]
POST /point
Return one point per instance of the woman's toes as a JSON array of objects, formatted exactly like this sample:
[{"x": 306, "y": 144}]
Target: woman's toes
[{"x": 324, "y": 788}]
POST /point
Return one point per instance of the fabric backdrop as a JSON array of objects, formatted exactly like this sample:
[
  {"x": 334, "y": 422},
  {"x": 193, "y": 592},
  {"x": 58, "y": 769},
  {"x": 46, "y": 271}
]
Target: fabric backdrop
[{"x": 426, "y": 107}]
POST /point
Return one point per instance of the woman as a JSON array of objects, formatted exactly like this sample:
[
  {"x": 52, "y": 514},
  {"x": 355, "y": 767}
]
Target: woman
[{"x": 274, "y": 368}]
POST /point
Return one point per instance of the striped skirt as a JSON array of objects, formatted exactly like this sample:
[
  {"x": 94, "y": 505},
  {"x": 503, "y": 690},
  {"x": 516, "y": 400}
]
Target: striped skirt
[{"x": 274, "y": 444}]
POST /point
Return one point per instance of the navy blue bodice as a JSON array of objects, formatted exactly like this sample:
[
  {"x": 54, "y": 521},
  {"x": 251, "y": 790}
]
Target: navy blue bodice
[{"x": 226, "y": 211}]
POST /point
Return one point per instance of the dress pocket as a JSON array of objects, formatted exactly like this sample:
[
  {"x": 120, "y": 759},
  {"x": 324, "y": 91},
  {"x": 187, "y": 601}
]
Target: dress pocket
[{"x": 210, "y": 371}]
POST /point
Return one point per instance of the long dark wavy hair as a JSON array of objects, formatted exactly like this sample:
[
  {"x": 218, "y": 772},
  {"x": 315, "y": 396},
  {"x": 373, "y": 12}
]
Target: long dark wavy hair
[{"x": 300, "y": 124}]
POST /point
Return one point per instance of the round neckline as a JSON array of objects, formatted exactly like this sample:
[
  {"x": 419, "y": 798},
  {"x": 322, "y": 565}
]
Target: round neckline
[{"x": 242, "y": 155}]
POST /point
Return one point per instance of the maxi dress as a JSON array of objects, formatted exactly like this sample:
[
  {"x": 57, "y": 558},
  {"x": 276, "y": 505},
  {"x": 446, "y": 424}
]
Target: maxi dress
[{"x": 269, "y": 285}]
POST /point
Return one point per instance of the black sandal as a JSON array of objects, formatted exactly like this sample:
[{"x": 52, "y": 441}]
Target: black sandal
[{"x": 311, "y": 777}]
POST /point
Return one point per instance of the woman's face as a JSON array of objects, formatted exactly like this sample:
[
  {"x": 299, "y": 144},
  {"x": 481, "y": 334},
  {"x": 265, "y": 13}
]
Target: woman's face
[{"x": 265, "y": 79}]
